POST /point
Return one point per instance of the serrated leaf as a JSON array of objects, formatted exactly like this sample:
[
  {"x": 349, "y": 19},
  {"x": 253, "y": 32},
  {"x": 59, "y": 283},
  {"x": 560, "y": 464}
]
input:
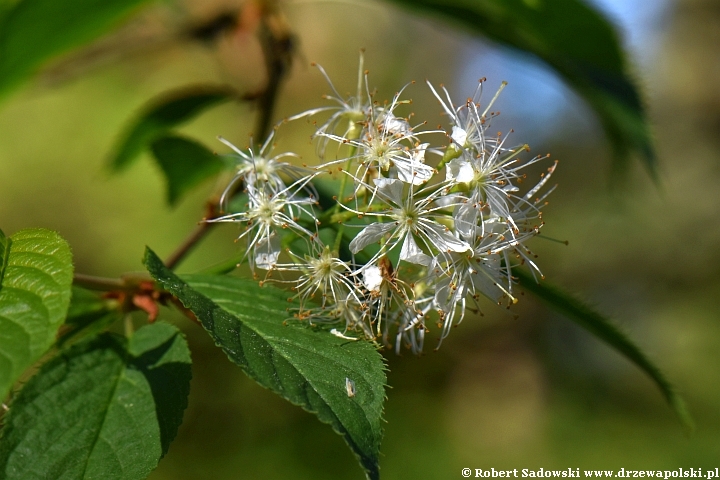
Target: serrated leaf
[
  {"x": 4, "y": 254},
  {"x": 185, "y": 163},
  {"x": 34, "y": 299},
  {"x": 33, "y": 31},
  {"x": 608, "y": 332},
  {"x": 576, "y": 41},
  {"x": 161, "y": 353},
  {"x": 161, "y": 115},
  {"x": 102, "y": 409},
  {"x": 306, "y": 367}
]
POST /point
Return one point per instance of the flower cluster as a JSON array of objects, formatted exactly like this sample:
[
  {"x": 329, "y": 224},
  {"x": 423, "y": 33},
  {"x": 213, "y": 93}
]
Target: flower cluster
[{"x": 430, "y": 237}]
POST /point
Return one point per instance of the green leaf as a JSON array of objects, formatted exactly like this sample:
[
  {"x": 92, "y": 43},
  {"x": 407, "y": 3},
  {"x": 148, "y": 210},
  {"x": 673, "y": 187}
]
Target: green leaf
[
  {"x": 34, "y": 31},
  {"x": 104, "y": 408},
  {"x": 4, "y": 254},
  {"x": 575, "y": 40},
  {"x": 607, "y": 331},
  {"x": 306, "y": 367},
  {"x": 34, "y": 299},
  {"x": 163, "y": 114},
  {"x": 185, "y": 163},
  {"x": 161, "y": 353}
]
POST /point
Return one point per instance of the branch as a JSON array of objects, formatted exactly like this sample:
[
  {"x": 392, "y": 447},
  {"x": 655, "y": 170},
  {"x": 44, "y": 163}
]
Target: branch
[
  {"x": 195, "y": 236},
  {"x": 98, "y": 283},
  {"x": 278, "y": 45}
]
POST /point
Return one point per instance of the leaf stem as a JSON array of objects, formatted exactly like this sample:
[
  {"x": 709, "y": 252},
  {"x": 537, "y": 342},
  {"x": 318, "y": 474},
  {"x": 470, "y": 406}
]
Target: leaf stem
[
  {"x": 97, "y": 283},
  {"x": 128, "y": 325}
]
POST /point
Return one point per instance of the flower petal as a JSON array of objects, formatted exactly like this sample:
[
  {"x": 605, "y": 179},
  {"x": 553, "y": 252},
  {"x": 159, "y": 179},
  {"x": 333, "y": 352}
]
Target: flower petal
[
  {"x": 370, "y": 234},
  {"x": 391, "y": 189},
  {"x": 266, "y": 252},
  {"x": 443, "y": 239},
  {"x": 410, "y": 252},
  {"x": 372, "y": 278},
  {"x": 413, "y": 172},
  {"x": 459, "y": 136},
  {"x": 460, "y": 170}
]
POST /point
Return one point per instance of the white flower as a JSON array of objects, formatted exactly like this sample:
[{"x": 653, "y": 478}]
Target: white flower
[
  {"x": 482, "y": 271},
  {"x": 268, "y": 213},
  {"x": 468, "y": 124},
  {"x": 261, "y": 171},
  {"x": 483, "y": 166},
  {"x": 410, "y": 325},
  {"x": 323, "y": 275},
  {"x": 387, "y": 144},
  {"x": 387, "y": 294},
  {"x": 528, "y": 221},
  {"x": 453, "y": 240},
  {"x": 349, "y": 114},
  {"x": 491, "y": 177},
  {"x": 407, "y": 219}
]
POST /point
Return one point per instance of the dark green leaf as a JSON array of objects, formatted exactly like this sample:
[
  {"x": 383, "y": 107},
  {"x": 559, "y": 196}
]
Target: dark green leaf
[
  {"x": 161, "y": 353},
  {"x": 34, "y": 299},
  {"x": 608, "y": 332},
  {"x": 161, "y": 115},
  {"x": 33, "y": 31},
  {"x": 306, "y": 367},
  {"x": 185, "y": 163},
  {"x": 101, "y": 409},
  {"x": 578, "y": 43}
]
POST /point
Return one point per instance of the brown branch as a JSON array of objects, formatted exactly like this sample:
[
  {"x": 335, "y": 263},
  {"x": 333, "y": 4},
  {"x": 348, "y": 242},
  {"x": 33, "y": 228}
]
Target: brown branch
[
  {"x": 97, "y": 283},
  {"x": 195, "y": 236},
  {"x": 278, "y": 45}
]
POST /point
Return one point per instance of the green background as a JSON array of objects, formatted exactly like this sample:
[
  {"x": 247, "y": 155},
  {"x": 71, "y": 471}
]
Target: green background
[{"x": 511, "y": 389}]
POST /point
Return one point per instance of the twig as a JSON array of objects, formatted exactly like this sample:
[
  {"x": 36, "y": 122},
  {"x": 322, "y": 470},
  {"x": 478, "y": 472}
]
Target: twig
[
  {"x": 97, "y": 283},
  {"x": 194, "y": 238},
  {"x": 278, "y": 45}
]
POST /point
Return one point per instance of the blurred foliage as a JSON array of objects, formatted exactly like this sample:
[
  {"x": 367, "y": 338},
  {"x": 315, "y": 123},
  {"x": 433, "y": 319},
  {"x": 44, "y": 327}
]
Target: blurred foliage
[
  {"x": 571, "y": 37},
  {"x": 505, "y": 392},
  {"x": 33, "y": 31},
  {"x": 580, "y": 44},
  {"x": 162, "y": 115},
  {"x": 185, "y": 163}
]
